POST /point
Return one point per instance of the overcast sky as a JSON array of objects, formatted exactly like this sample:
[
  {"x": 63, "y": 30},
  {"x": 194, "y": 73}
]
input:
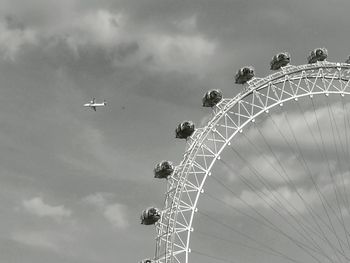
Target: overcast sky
[{"x": 73, "y": 181}]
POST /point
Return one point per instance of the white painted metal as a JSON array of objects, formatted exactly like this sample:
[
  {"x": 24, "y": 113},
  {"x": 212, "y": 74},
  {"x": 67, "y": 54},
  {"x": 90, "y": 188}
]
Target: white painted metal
[{"x": 230, "y": 117}]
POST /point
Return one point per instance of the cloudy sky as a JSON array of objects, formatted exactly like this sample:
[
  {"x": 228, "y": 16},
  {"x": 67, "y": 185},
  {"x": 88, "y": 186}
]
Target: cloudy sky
[{"x": 73, "y": 181}]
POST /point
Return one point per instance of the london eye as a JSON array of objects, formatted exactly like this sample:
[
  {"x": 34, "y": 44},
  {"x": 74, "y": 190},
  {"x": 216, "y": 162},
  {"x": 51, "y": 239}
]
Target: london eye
[{"x": 267, "y": 178}]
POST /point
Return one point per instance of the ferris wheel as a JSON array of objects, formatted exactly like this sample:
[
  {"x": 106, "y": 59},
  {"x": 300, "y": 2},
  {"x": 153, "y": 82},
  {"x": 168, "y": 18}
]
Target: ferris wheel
[{"x": 267, "y": 179}]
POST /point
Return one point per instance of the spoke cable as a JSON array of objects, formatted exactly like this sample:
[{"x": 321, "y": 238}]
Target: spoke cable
[
  {"x": 314, "y": 182},
  {"x": 278, "y": 201},
  {"x": 270, "y": 226},
  {"x": 331, "y": 175},
  {"x": 245, "y": 245},
  {"x": 319, "y": 193},
  {"x": 295, "y": 188},
  {"x": 342, "y": 177},
  {"x": 302, "y": 246}
]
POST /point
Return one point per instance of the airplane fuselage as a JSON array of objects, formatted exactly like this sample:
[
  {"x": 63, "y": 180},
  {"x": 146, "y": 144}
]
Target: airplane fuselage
[{"x": 94, "y": 105}]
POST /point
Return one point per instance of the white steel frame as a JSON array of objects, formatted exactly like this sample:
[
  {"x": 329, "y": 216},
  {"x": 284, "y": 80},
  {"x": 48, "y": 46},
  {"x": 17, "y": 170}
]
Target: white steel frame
[{"x": 231, "y": 116}]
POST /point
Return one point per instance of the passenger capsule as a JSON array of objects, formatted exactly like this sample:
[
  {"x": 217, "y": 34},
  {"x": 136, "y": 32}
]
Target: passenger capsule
[
  {"x": 212, "y": 97},
  {"x": 147, "y": 260},
  {"x": 184, "y": 130},
  {"x": 150, "y": 216},
  {"x": 348, "y": 60},
  {"x": 280, "y": 60},
  {"x": 318, "y": 54},
  {"x": 244, "y": 74},
  {"x": 163, "y": 169}
]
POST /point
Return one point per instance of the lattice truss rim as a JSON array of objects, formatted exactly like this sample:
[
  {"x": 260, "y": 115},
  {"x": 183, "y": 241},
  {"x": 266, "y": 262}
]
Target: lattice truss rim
[{"x": 231, "y": 115}]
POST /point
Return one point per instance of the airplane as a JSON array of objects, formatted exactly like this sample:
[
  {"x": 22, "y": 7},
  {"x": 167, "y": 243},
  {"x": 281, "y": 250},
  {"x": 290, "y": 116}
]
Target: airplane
[{"x": 93, "y": 104}]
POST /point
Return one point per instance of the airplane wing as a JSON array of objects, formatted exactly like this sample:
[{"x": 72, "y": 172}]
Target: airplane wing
[{"x": 94, "y": 107}]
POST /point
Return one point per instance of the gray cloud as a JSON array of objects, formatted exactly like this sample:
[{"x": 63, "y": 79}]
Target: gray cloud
[
  {"x": 115, "y": 213},
  {"x": 36, "y": 206}
]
